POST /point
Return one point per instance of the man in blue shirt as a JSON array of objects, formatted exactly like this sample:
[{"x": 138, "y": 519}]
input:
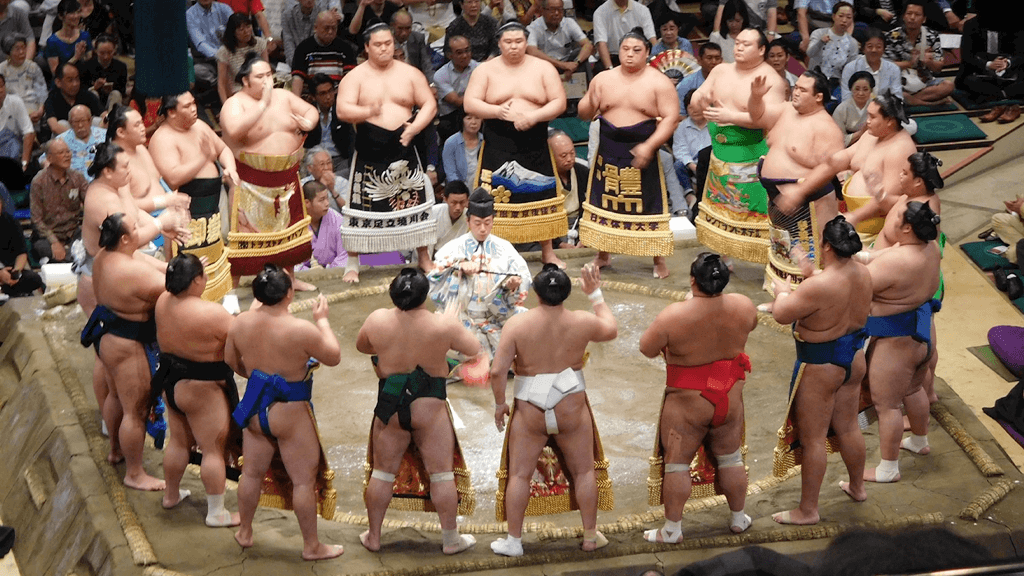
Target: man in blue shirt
[
  {"x": 709, "y": 56},
  {"x": 206, "y": 20}
]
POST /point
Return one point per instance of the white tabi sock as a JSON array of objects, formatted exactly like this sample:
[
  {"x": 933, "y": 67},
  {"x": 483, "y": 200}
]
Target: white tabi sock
[
  {"x": 915, "y": 443},
  {"x": 887, "y": 470},
  {"x": 739, "y": 522},
  {"x": 508, "y": 546},
  {"x": 216, "y": 514}
]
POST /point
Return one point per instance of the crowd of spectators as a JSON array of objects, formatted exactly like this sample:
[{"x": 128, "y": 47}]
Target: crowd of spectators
[{"x": 58, "y": 79}]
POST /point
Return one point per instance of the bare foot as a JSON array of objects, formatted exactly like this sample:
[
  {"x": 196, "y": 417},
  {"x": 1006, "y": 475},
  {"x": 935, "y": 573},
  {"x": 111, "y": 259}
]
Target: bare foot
[
  {"x": 352, "y": 277},
  {"x": 324, "y": 552},
  {"x": 856, "y": 495},
  {"x": 795, "y": 517},
  {"x": 303, "y": 286},
  {"x": 115, "y": 457},
  {"x": 171, "y": 503},
  {"x": 145, "y": 482},
  {"x": 602, "y": 259},
  {"x": 872, "y": 476},
  {"x": 372, "y": 545},
  {"x": 552, "y": 259},
  {"x": 244, "y": 541},
  {"x": 660, "y": 268},
  {"x": 589, "y": 545}
]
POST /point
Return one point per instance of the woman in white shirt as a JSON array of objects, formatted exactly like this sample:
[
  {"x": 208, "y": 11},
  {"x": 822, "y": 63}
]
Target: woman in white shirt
[
  {"x": 851, "y": 114},
  {"x": 734, "y": 21}
]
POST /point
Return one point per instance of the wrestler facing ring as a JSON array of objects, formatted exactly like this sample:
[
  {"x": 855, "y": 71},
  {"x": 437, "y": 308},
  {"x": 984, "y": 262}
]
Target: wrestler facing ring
[
  {"x": 197, "y": 385},
  {"x": 569, "y": 416},
  {"x": 692, "y": 412},
  {"x": 272, "y": 348},
  {"x": 127, "y": 288},
  {"x": 904, "y": 278},
  {"x": 410, "y": 343},
  {"x": 830, "y": 309}
]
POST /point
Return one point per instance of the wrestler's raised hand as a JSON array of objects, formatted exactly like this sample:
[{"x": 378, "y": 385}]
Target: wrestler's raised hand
[
  {"x": 590, "y": 278},
  {"x": 500, "y": 412},
  {"x": 759, "y": 87},
  {"x": 320, "y": 308}
]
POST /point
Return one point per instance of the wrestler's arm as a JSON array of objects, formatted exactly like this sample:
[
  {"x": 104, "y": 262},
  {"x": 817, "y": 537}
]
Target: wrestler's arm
[
  {"x": 824, "y": 172},
  {"x": 363, "y": 344},
  {"x": 156, "y": 199},
  {"x": 301, "y": 108},
  {"x": 590, "y": 104},
  {"x": 870, "y": 209},
  {"x": 462, "y": 340},
  {"x": 321, "y": 343},
  {"x": 347, "y": 105},
  {"x": 236, "y": 121},
  {"x": 500, "y": 364},
  {"x": 791, "y": 306},
  {"x": 424, "y": 98},
  {"x": 224, "y": 156},
  {"x": 232, "y": 356},
  {"x": 762, "y": 114},
  {"x": 667, "y": 102},
  {"x": 148, "y": 281},
  {"x": 655, "y": 338},
  {"x": 885, "y": 268},
  {"x": 159, "y": 265}
]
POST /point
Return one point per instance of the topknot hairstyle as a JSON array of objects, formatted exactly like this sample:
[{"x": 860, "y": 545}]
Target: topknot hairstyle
[
  {"x": 710, "y": 273},
  {"x": 842, "y": 237},
  {"x": 552, "y": 285},
  {"x": 409, "y": 289},
  {"x": 271, "y": 285}
]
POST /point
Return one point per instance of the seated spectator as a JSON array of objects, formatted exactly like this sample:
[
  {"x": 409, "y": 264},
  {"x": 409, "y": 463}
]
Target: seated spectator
[
  {"x": 852, "y": 114},
  {"x": 106, "y": 76},
  {"x": 451, "y": 80},
  {"x": 16, "y": 278},
  {"x": 331, "y": 134},
  {"x": 71, "y": 43},
  {"x": 832, "y": 48},
  {"x": 919, "y": 65},
  {"x": 16, "y": 138},
  {"x": 96, "y": 18},
  {"x": 662, "y": 10},
  {"x": 480, "y": 29},
  {"x": 777, "y": 56},
  {"x": 297, "y": 22},
  {"x": 461, "y": 151},
  {"x": 370, "y": 12},
  {"x": 558, "y": 39},
  {"x": 317, "y": 166},
  {"x": 1009, "y": 226},
  {"x": 691, "y": 138},
  {"x": 325, "y": 222},
  {"x": 451, "y": 214},
  {"x": 612, "y": 20},
  {"x": 433, "y": 15},
  {"x": 14, "y": 22},
  {"x": 885, "y": 73},
  {"x": 709, "y": 55},
  {"x": 206, "y": 21},
  {"x": 325, "y": 52},
  {"x": 417, "y": 53},
  {"x": 873, "y": 14},
  {"x": 734, "y": 21},
  {"x": 66, "y": 95},
  {"x": 992, "y": 60},
  {"x": 811, "y": 15},
  {"x": 238, "y": 42},
  {"x": 24, "y": 77},
  {"x": 762, "y": 14},
  {"x": 668, "y": 32},
  {"x": 254, "y": 10},
  {"x": 56, "y": 200},
  {"x": 82, "y": 139}
]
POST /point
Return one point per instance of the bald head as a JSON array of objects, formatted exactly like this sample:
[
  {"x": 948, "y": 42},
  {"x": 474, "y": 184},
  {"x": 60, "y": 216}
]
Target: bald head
[
  {"x": 401, "y": 26},
  {"x": 563, "y": 150},
  {"x": 59, "y": 155},
  {"x": 325, "y": 28},
  {"x": 80, "y": 118}
]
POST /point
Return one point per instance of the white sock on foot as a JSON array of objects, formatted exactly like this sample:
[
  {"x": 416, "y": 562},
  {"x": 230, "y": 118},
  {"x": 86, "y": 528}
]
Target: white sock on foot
[
  {"x": 216, "y": 514},
  {"x": 887, "y": 470},
  {"x": 740, "y": 521},
  {"x": 508, "y": 546},
  {"x": 915, "y": 443},
  {"x": 671, "y": 532}
]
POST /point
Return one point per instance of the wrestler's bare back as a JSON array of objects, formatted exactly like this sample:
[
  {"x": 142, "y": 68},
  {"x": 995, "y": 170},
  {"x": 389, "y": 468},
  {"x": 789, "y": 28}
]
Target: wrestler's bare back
[
  {"x": 702, "y": 329},
  {"x": 839, "y": 298},
  {"x": 876, "y": 164},
  {"x": 276, "y": 132},
  {"x": 127, "y": 285},
  {"x": 191, "y": 327},
  {"x": 395, "y": 88},
  {"x": 284, "y": 345},
  {"x": 627, "y": 99},
  {"x": 903, "y": 277},
  {"x": 170, "y": 147},
  {"x": 403, "y": 340},
  {"x": 549, "y": 339}
]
